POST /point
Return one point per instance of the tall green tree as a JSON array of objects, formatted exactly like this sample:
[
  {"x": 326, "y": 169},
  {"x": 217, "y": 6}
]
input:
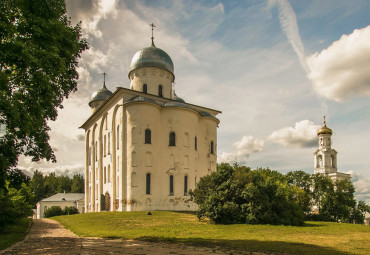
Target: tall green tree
[{"x": 38, "y": 59}]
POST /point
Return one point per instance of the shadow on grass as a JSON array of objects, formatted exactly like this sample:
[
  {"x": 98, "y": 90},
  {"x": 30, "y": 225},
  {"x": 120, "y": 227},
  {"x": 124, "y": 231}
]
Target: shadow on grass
[{"x": 252, "y": 245}]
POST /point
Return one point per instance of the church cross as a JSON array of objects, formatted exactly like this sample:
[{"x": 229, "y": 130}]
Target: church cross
[
  {"x": 104, "y": 78},
  {"x": 324, "y": 120},
  {"x": 152, "y": 25}
]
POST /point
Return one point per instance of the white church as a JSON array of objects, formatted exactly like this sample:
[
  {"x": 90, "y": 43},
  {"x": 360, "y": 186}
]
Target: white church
[
  {"x": 145, "y": 146},
  {"x": 325, "y": 158}
]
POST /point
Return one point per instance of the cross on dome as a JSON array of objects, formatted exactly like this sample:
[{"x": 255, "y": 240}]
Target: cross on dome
[
  {"x": 104, "y": 79},
  {"x": 153, "y": 26}
]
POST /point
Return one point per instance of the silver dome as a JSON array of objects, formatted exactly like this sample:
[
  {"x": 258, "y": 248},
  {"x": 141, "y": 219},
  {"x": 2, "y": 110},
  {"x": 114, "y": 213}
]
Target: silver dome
[
  {"x": 151, "y": 57},
  {"x": 100, "y": 95}
]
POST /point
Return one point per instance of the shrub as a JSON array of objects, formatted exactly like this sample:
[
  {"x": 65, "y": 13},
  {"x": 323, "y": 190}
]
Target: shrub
[
  {"x": 53, "y": 211},
  {"x": 70, "y": 210}
]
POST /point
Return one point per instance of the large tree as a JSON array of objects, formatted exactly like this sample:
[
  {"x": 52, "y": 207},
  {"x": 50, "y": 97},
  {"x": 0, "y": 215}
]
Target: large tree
[{"x": 38, "y": 59}]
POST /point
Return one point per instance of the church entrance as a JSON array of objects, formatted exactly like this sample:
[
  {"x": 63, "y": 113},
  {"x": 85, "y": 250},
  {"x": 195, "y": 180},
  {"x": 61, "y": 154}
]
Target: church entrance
[{"x": 107, "y": 201}]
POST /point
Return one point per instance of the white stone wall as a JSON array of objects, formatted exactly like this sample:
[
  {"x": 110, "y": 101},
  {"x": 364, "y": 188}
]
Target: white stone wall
[{"x": 133, "y": 159}]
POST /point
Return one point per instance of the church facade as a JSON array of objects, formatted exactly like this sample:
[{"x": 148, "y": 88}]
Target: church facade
[
  {"x": 325, "y": 158},
  {"x": 145, "y": 146}
]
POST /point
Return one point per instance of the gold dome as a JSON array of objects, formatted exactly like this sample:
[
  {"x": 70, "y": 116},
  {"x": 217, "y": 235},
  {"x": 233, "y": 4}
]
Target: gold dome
[{"x": 325, "y": 130}]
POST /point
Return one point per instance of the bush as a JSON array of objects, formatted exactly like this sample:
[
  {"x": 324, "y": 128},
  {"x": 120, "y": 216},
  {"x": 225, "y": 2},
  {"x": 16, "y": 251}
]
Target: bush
[
  {"x": 70, "y": 210},
  {"x": 53, "y": 211}
]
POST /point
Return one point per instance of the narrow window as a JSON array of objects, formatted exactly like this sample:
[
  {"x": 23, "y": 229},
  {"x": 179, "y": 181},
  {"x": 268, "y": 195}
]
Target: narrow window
[
  {"x": 108, "y": 173},
  {"x": 160, "y": 91},
  {"x": 117, "y": 185},
  {"x": 172, "y": 139},
  {"x": 108, "y": 143},
  {"x": 117, "y": 137},
  {"x": 171, "y": 184},
  {"x": 145, "y": 89},
  {"x": 185, "y": 185},
  {"x": 105, "y": 175},
  {"x": 89, "y": 159},
  {"x": 148, "y": 183},
  {"x": 96, "y": 151},
  {"x": 148, "y": 136},
  {"x": 196, "y": 143},
  {"x": 105, "y": 145},
  {"x": 212, "y": 149}
]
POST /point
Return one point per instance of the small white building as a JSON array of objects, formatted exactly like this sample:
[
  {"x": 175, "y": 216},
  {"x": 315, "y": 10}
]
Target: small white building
[
  {"x": 62, "y": 200},
  {"x": 325, "y": 158}
]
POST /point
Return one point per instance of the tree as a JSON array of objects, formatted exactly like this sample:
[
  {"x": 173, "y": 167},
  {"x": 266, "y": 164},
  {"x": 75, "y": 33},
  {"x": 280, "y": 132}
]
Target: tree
[
  {"x": 38, "y": 59},
  {"x": 78, "y": 184},
  {"x": 239, "y": 195},
  {"x": 358, "y": 213},
  {"x": 16, "y": 177}
]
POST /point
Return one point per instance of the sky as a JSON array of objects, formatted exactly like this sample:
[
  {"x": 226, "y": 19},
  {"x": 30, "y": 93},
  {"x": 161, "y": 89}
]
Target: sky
[{"x": 274, "y": 68}]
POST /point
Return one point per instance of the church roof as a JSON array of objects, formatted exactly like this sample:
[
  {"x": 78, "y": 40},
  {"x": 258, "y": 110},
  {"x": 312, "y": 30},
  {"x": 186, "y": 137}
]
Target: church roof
[
  {"x": 141, "y": 99},
  {"x": 70, "y": 197},
  {"x": 152, "y": 57},
  {"x": 101, "y": 95}
]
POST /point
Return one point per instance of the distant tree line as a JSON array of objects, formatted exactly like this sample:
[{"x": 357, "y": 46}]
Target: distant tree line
[
  {"x": 21, "y": 193},
  {"x": 237, "y": 194},
  {"x": 47, "y": 185}
]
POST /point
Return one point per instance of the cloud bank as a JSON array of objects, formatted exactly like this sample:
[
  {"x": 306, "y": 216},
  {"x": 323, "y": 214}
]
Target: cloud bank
[
  {"x": 302, "y": 135},
  {"x": 243, "y": 149},
  {"x": 341, "y": 71}
]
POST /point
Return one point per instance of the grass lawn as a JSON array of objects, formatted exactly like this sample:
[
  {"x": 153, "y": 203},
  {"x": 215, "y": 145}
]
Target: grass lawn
[
  {"x": 14, "y": 233},
  {"x": 312, "y": 238}
]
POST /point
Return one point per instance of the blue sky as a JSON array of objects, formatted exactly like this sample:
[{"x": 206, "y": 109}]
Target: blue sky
[{"x": 273, "y": 68}]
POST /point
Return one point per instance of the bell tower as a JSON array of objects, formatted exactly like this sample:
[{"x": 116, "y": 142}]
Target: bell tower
[{"x": 325, "y": 158}]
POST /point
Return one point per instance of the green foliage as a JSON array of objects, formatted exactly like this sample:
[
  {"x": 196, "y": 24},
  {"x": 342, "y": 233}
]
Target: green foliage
[
  {"x": 15, "y": 204},
  {"x": 16, "y": 177},
  {"x": 51, "y": 184},
  {"x": 69, "y": 210},
  {"x": 39, "y": 52},
  {"x": 53, "y": 211},
  {"x": 240, "y": 195},
  {"x": 57, "y": 211}
]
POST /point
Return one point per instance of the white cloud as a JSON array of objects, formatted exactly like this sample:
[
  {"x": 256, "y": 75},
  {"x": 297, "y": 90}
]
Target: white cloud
[
  {"x": 288, "y": 22},
  {"x": 303, "y": 134},
  {"x": 341, "y": 71},
  {"x": 362, "y": 185},
  {"x": 243, "y": 149},
  {"x": 91, "y": 12}
]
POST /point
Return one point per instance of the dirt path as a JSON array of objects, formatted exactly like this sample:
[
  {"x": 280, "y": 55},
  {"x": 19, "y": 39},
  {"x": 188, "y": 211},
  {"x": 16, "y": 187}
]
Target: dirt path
[{"x": 49, "y": 237}]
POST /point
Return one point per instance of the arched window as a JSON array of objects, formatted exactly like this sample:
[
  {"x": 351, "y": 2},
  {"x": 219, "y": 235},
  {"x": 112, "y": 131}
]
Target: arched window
[
  {"x": 185, "y": 185},
  {"x": 145, "y": 89},
  {"x": 160, "y": 93},
  {"x": 171, "y": 184},
  {"x": 117, "y": 186},
  {"x": 196, "y": 143},
  {"x": 108, "y": 143},
  {"x": 148, "y": 136},
  {"x": 148, "y": 183},
  {"x": 172, "y": 139},
  {"x": 108, "y": 173},
  {"x": 105, "y": 145},
  {"x": 89, "y": 159},
  {"x": 96, "y": 151},
  {"x": 117, "y": 137},
  {"x": 212, "y": 148}
]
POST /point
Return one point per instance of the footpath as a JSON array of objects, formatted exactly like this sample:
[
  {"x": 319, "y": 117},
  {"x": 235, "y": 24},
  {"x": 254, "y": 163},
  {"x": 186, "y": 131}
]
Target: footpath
[{"x": 50, "y": 237}]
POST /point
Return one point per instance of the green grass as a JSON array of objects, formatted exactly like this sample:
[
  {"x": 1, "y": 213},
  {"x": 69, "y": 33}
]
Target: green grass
[
  {"x": 14, "y": 233},
  {"x": 312, "y": 238}
]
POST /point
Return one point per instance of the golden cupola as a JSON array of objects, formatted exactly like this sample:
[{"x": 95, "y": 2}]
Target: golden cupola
[{"x": 324, "y": 129}]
